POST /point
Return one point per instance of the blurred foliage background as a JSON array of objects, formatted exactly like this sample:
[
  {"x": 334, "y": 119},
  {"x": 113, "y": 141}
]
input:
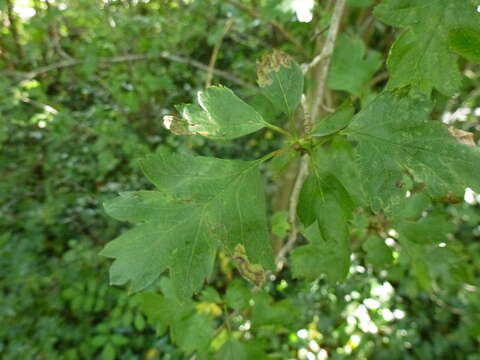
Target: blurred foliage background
[{"x": 84, "y": 85}]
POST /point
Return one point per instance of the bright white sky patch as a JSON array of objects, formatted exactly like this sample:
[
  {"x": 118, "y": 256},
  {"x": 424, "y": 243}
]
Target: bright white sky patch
[
  {"x": 23, "y": 9},
  {"x": 470, "y": 196},
  {"x": 303, "y": 9},
  {"x": 399, "y": 314}
]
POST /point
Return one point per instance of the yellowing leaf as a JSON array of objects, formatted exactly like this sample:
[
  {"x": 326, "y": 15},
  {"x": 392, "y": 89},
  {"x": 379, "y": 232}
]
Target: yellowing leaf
[
  {"x": 252, "y": 272},
  {"x": 209, "y": 309}
]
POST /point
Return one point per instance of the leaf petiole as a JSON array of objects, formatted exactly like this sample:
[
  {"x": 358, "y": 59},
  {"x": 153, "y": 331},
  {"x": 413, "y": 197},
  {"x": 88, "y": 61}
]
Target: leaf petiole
[{"x": 279, "y": 130}]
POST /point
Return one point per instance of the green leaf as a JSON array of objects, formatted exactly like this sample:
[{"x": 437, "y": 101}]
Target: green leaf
[
  {"x": 336, "y": 121},
  {"x": 378, "y": 253},
  {"x": 108, "y": 352},
  {"x": 339, "y": 157},
  {"x": 280, "y": 224},
  {"x": 236, "y": 350},
  {"x": 281, "y": 162},
  {"x": 201, "y": 203},
  {"x": 321, "y": 257},
  {"x": 411, "y": 208},
  {"x": 190, "y": 330},
  {"x": 432, "y": 229},
  {"x": 210, "y": 294},
  {"x": 233, "y": 350},
  {"x": 324, "y": 207},
  {"x": 421, "y": 56},
  {"x": 281, "y": 80},
  {"x": 352, "y": 65},
  {"x": 267, "y": 312},
  {"x": 466, "y": 42},
  {"x": 395, "y": 137},
  {"x": 317, "y": 192},
  {"x": 360, "y": 3},
  {"x": 220, "y": 115},
  {"x": 237, "y": 296}
]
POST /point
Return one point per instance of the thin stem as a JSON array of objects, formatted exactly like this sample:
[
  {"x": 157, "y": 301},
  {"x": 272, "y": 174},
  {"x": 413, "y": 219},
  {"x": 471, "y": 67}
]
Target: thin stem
[
  {"x": 292, "y": 213},
  {"x": 325, "y": 57},
  {"x": 135, "y": 57},
  {"x": 216, "y": 49},
  {"x": 308, "y": 122},
  {"x": 271, "y": 155},
  {"x": 278, "y": 129}
]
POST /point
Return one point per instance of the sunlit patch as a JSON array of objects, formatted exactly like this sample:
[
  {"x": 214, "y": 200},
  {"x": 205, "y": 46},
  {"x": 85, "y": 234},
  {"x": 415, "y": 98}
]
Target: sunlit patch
[
  {"x": 390, "y": 242},
  {"x": 442, "y": 244},
  {"x": 304, "y": 354},
  {"x": 478, "y": 8},
  {"x": 384, "y": 291},
  {"x": 399, "y": 314},
  {"x": 302, "y": 333},
  {"x": 42, "y": 124},
  {"x": 355, "y": 340},
  {"x": 387, "y": 314},
  {"x": 313, "y": 345},
  {"x": 365, "y": 322},
  {"x": 23, "y": 9},
  {"x": 357, "y": 269},
  {"x": 461, "y": 114},
  {"x": 371, "y": 304},
  {"x": 393, "y": 233},
  {"x": 245, "y": 326},
  {"x": 322, "y": 354},
  {"x": 303, "y": 9},
  {"x": 470, "y": 196}
]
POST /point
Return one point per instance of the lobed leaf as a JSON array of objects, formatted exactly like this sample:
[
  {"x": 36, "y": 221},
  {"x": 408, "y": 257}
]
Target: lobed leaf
[
  {"x": 352, "y": 65},
  {"x": 395, "y": 137},
  {"x": 324, "y": 208},
  {"x": 200, "y": 204},
  {"x": 421, "y": 56}
]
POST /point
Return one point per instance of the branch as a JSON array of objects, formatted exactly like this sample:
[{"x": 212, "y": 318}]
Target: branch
[
  {"x": 136, "y": 57},
  {"x": 13, "y": 29},
  {"x": 216, "y": 49},
  {"x": 292, "y": 213},
  {"x": 279, "y": 27},
  {"x": 325, "y": 57}
]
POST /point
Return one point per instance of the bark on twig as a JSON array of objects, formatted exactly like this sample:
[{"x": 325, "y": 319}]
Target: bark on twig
[
  {"x": 135, "y": 57},
  {"x": 14, "y": 30},
  {"x": 325, "y": 57},
  {"x": 308, "y": 121},
  {"x": 213, "y": 57},
  {"x": 292, "y": 213}
]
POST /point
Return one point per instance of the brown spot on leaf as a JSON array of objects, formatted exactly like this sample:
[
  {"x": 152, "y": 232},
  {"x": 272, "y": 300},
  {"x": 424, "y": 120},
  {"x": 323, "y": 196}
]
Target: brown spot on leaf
[
  {"x": 252, "y": 272},
  {"x": 269, "y": 63},
  {"x": 176, "y": 125},
  {"x": 463, "y": 137},
  {"x": 451, "y": 199}
]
